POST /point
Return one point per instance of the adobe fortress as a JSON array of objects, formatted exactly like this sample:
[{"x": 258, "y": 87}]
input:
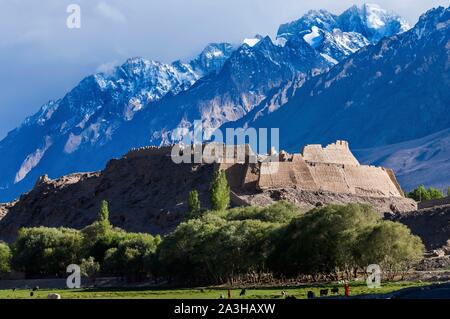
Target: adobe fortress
[{"x": 331, "y": 169}]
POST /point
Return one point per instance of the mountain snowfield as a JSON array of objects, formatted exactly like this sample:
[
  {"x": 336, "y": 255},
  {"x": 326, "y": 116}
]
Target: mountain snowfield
[{"x": 144, "y": 102}]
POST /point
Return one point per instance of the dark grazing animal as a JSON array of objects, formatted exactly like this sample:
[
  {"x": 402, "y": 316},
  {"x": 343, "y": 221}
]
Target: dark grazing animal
[
  {"x": 323, "y": 292},
  {"x": 243, "y": 292},
  {"x": 335, "y": 290},
  {"x": 311, "y": 295}
]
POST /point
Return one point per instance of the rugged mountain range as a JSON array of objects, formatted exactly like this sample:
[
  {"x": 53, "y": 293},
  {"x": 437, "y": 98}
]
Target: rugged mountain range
[
  {"x": 338, "y": 36},
  {"x": 390, "y": 92},
  {"x": 425, "y": 160},
  {"x": 150, "y": 103}
]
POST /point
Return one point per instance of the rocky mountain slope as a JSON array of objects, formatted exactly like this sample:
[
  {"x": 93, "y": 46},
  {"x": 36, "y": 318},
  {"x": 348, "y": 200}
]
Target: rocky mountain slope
[
  {"x": 150, "y": 103},
  {"x": 421, "y": 161},
  {"x": 394, "y": 91},
  {"x": 52, "y": 141},
  {"x": 432, "y": 225}
]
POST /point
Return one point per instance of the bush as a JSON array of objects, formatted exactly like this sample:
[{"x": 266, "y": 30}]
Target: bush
[
  {"x": 46, "y": 251},
  {"x": 5, "y": 258},
  {"x": 421, "y": 194},
  {"x": 220, "y": 191}
]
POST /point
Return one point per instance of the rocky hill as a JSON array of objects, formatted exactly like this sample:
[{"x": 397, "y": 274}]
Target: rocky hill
[
  {"x": 148, "y": 192},
  {"x": 432, "y": 225}
]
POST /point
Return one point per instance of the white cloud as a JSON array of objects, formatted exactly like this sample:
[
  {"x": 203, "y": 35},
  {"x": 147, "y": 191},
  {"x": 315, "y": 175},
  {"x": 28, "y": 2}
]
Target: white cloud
[
  {"x": 110, "y": 12},
  {"x": 107, "y": 68}
]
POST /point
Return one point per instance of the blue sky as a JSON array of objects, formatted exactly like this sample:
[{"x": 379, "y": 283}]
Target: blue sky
[{"x": 41, "y": 59}]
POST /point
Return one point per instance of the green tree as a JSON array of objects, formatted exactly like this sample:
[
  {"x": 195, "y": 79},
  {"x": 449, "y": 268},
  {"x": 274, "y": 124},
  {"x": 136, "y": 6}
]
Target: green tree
[
  {"x": 280, "y": 212},
  {"x": 98, "y": 238},
  {"x": 390, "y": 245},
  {"x": 100, "y": 235},
  {"x": 213, "y": 250},
  {"x": 46, "y": 251},
  {"x": 220, "y": 191},
  {"x": 193, "y": 203},
  {"x": 5, "y": 258},
  {"x": 104, "y": 212},
  {"x": 89, "y": 267},
  {"x": 435, "y": 193},
  {"x": 322, "y": 241},
  {"x": 129, "y": 257},
  {"x": 421, "y": 194}
]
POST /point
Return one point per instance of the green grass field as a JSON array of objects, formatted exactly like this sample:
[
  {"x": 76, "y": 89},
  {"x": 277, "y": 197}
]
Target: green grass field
[{"x": 207, "y": 293}]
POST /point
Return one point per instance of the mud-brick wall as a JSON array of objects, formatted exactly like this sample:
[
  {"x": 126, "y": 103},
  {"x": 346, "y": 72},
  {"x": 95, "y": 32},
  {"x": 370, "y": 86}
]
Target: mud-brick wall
[
  {"x": 337, "y": 153},
  {"x": 370, "y": 181}
]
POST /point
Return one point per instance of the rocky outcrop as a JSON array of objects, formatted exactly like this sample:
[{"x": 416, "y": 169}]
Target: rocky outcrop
[
  {"x": 146, "y": 194},
  {"x": 311, "y": 199},
  {"x": 432, "y": 225}
]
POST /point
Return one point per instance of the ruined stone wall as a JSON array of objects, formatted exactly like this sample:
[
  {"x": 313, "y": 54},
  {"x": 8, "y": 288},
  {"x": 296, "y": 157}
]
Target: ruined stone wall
[
  {"x": 330, "y": 178},
  {"x": 287, "y": 174},
  {"x": 337, "y": 153},
  {"x": 370, "y": 181},
  {"x": 332, "y": 169},
  {"x": 358, "y": 180},
  {"x": 148, "y": 151}
]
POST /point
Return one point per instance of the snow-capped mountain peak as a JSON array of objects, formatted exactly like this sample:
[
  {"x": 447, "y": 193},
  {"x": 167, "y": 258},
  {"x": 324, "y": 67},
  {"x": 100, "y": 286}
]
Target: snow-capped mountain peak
[
  {"x": 336, "y": 37},
  {"x": 372, "y": 21}
]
